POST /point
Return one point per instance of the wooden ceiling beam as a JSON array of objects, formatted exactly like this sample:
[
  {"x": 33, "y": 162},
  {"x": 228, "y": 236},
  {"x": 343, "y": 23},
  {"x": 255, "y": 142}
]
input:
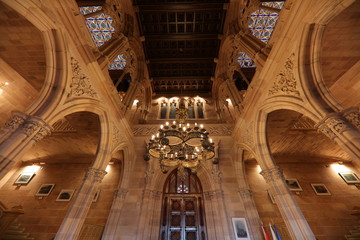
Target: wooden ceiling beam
[
  {"x": 179, "y": 36},
  {"x": 178, "y": 7},
  {"x": 181, "y": 60}
]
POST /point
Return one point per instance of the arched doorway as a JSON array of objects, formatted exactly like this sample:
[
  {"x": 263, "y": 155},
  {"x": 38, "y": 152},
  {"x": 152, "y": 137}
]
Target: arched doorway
[{"x": 183, "y": 208}]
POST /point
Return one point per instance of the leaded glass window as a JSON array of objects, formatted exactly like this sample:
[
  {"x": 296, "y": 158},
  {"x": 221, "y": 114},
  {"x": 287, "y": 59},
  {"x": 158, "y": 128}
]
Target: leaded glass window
[
  {"x": 262, "y": 23},
  {"x": 245, "y": 61},
  {"x": 100, "y": 26},
  {"x": 119, "y": 63}
]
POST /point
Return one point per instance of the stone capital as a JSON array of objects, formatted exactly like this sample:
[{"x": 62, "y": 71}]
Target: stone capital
[
  {"x": 94, "y": 175},
  {"x": 17, "y": 119},
  {"x": 353, "y": 116},
  {"x": 272, "y": 174},
  {"x": 245, "y": 193},
  {"x": 120, "y": 193}
]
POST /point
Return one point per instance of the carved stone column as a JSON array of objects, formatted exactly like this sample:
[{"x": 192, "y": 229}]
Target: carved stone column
[
  {"x": 19, "y": 134},
  {"x": 294, "y": 219},
  {"x": 76, "y": 214},
  {"x": 114, "y": 215},
  {"x": 252, "y": 215},
  {"x": 343, "y": 128}
]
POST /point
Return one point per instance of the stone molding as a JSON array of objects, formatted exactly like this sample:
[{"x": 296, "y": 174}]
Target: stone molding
[
  {"x": 95, "y": 175},
  {"x": 245, "y": 193},
  {"x": 17, "y": 119},
  {"x": 353, "y": 116},
  {"x": 273, "y": 174},
  {"x": 285, "y": 82},
  {"x": 120, "y": 193},
  {"x": 36, "y": 125},
  {"x": 209, "y": 195},
  {"x": 332, "y": 125},
  {"x": 213, "y": 129},
  {"x": 80, "y": 84}
]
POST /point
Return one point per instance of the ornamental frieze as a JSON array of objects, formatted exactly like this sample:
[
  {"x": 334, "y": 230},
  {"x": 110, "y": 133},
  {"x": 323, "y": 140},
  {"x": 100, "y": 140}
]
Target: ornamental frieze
[{"x": 213, "y": 129}]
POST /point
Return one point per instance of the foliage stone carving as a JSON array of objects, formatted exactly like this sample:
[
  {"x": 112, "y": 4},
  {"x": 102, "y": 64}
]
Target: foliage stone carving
[
  {"x": 285, "y": 82},
  {"x": 80, "y": 84}
]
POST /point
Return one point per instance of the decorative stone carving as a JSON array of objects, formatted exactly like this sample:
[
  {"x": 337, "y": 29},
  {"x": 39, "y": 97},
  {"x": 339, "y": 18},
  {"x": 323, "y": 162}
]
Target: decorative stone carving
[
  {"x": 156, "y": 194},
  {"x": 245, "y": 193},
  {"x": 80, "y": 85},
  {"x": 30, "y": 127},
  {"x": 337, "y": 124},
  {"x": 273, "y": 174},
  {"x": 354, "y": 118},
  {"x": 209, "y": 195},
  {"x": 248, "y": 136},
  {"x": 17, "y": 119},
  {"x": 93, "y": 174},
  {"x": 326, "y": 131},
  {"x": 118, "y": 137},
  {"x": 285, "y": 82},
  {"x": 120, "y": 193},
  {"x": 43, "y": 132},
  {"x": 214, "y": 130},
  {"x": 216, "y": 174}
]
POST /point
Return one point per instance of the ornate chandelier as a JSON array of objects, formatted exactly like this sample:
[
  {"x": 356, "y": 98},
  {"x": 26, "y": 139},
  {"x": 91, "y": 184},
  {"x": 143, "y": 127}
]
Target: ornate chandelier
[{"x": 181, "y": 145}]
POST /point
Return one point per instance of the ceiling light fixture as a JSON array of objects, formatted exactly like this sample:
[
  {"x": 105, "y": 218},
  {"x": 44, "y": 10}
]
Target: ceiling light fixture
[
  {"x": 181, "y": 145},
  {"x": 2, "y": 85}
]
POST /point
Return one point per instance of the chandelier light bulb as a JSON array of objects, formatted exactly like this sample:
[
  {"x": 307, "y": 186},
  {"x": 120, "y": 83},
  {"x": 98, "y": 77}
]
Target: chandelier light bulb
[
  {"x": 161, "y": 126},
  {"x": 188, "y": 125},
  {"x": 195, "y": 124},
  {"x": 174, "y": 122},
  {"x": 153, "y": 137},
  {"x": 167, "y": 123},
  {"x": 184, "y": 129},
  {"x": 211, "y": 140},
  {"x": 201, "y": 126}
]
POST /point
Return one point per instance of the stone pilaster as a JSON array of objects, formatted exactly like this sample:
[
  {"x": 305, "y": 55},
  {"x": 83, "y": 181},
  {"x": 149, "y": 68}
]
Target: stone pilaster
[
  {"x": 294, "y": 219},
  {"x": 20, "y": 133},
  {"x": 76, "y": 214},
  {"x": 252, "y": 215}
]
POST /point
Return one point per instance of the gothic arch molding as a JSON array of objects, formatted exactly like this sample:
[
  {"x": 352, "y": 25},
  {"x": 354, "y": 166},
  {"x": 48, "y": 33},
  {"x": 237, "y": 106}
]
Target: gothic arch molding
[
  {"x": 311, "y": 77},
  {"x": 55, "y": 54}
]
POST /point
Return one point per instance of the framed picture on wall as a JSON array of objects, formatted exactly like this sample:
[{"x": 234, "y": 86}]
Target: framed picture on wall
[
  {"x": 320, "y": 189},
  {"x": 96, "y": 196},
  {"x": 45, "y": 189},
  {"x": 65, "y": 195},
  {"x": 293, "y": 184},
  {"x": 24, "y": 178},
  {"x": 240, "y": 229},
  {"x": 350, "y": 177}
]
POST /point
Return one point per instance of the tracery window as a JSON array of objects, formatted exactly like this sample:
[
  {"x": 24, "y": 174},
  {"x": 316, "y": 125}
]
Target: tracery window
[
  {"x": 262, "y": 22},
  {"x": 245, "y": 61},
  {"x": 119, "y": 63},
  {"x": 195, "y": 107},
  {"x": 100, "y": 26}
]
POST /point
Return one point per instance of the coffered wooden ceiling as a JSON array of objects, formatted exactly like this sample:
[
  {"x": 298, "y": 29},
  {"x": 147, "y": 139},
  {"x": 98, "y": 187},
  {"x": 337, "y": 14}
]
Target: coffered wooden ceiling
[{"x": 181, "y": 42}]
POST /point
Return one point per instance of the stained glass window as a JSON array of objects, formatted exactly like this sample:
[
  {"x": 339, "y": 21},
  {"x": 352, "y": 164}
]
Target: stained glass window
[
  {"x": 277, "y": 5},
  {"x": 182, "y": 189},
  {"x": 100, "y": 26},
  {"x": 262, "y": 23},
  {"x": 245, "y": 61},
  {"x": 119, "y": 63}
]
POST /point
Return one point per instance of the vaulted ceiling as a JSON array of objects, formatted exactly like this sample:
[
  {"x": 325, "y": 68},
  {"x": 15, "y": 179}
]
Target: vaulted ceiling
[{"x": 181, "y": 40}]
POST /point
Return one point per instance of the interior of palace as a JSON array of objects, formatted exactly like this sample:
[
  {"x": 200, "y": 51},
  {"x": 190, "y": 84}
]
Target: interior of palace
[{"x": 179, "y": 119}]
